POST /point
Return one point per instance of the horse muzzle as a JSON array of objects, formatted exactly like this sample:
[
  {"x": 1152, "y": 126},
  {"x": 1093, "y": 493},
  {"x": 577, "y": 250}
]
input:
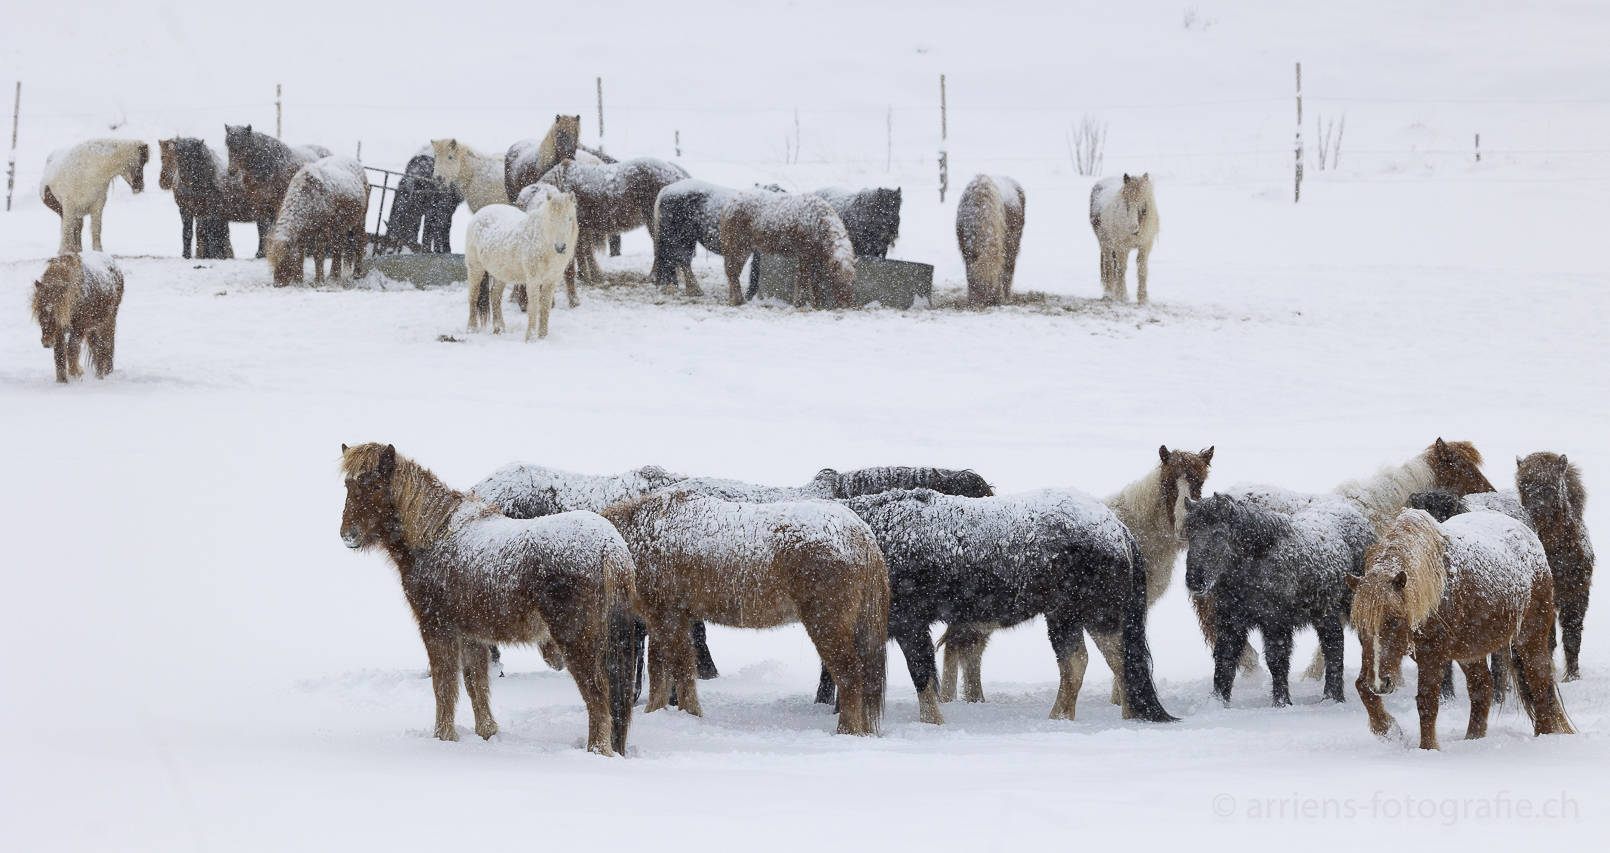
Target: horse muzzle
[
  {"x": 1384, "y": 686},
  {"x": 351, "y": 540}
]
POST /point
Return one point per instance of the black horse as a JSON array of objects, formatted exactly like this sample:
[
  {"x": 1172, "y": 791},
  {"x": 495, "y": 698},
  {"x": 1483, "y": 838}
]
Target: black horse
[
  {"x": 1277, "y": 572},
  {"x": 872, "y": 217},
  {"x": 422, "y": 202},
  {"x": 1005, "y": 560},
  {"x": 209, "y": 198}
]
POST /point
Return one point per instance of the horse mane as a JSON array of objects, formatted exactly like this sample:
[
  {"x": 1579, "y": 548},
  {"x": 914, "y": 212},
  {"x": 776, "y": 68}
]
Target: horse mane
[
  {"x": 1381, "y": 496},
  {"x": 1414, "y": 544},
  {"x": 424, "y": 504}
]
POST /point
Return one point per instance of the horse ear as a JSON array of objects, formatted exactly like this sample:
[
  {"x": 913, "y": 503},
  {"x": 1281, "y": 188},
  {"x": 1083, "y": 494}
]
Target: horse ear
[
  {"x": 248, "y": 129},
  {"x": 1564, "y": 463},
  {"x": 1126, "y": 179},
  {"x": 1162, "y": 452},
  {"x": 343, "y": 448},
  {"x": 388, "y": 461},
  {"x": 1207, "y": 455},
  {"x": 1353, "y": 582},
  {"x": 1442, "y": 447},
  {"x": 1401, "y": 581}
]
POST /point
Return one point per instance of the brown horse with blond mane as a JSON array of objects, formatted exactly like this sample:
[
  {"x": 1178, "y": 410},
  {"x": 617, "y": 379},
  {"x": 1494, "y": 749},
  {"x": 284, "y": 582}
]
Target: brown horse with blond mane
[
  {"x": 1458, "y": 591},
  {"x": 759, "y": 565},
  {"x": 474, "y": 577}
]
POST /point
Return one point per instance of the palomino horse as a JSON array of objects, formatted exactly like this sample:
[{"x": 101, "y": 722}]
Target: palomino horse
[
  {"x": 1153, "y": 508},
  {"x": 1124, "y": 217},
  {"x": 989, "y": 230},
  {"x": 476, "y": 176},
  {"x": 207, "y": 195},
  {"x": 759, "y": 566},
  {"x": 75, "y": 302},
  {"x": 529, "y": 159},
  {"x": 1005, "y": 560},
  {"x": 76, "y": 180},
  {"x": 611, "y": 199},
  {"x": 324, "y": 208},
  {"x": 1551, "y": 489},
  {"x": 1276, "y": 572},
  {"x": 532, "y": 244},
  {"x": 474, "y": 577},
  {"x": 1459, "y": 591},
  {"x": 265, "y": 167},
  {"x": 802, "y": 227}
]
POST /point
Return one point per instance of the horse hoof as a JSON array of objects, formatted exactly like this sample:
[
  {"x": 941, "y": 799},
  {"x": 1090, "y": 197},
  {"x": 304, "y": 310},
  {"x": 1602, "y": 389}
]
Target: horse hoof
[{"x": 449, "y": 734}]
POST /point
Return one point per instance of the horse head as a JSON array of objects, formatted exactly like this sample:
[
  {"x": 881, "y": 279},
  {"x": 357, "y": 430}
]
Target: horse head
[
  {"x": 1550, "y": 487},
  {"x": 134, "y": 171},
  {"x": 566, "y": 134},
  {"x": 1380, "y": 615},
  {"x": 238, "y": 140},
  {"x": 1134, "y": 204},
  {"x": 51, "y": 307},
  {"x": 886, "y": 204},
  {"x": 448, "y": 162},
  {"x": 368, "y": 518},
  {"x": 1223, "y": 532},
  {"x": 1456, "y": 466},
  {"x": 1182, "y": 468},
  {"x": 170, "y": 163}
]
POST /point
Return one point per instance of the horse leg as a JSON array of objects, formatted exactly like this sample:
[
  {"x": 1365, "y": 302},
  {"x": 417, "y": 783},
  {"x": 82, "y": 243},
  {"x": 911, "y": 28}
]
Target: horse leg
[
  {"x": 476, "y": 659},
  {"x": 95, "y": 222},
  {"x": 318, "y": 245},
  {"x": 1479, "y": 683},
  {"x": 832, "y": 633},
  {"x": 972, "y": 666},
  {"x": 1537, "y": 667},
  {"x": 1332, "y": 644},
  {"x": 184, "y": 232},
  {"x": 1381, "y": 722},
  {"x": 1106, "y": 272},
  {"x": 827, "y": 693},
  {"x": 704, "y": 665},
  {"x": 570, "y": 285},
  {"x": 583, "y": 644},
  {"x": 544, "y": 305},
  {"x": 479, "y": 281},
  {"x": 1140, "y": 272},
  {"x": 494, "y": 304},
  {"x": 673, "y": 634},
  {"x": 1068, "y": 644},
  {"x": 1120, "y": 273},
  {"x": 75, "y": 343},
  {"x": 690, "y": 282},
  {"x": 263, "y": 226},
  {"x": 918, "y": 646},
  {"x": 1228, "y": 639},
  {"x": 1447, "y": 683},
  {"x": 1427, "y": 700},
  {"x": 1573, "y": 610},
  {"x": 1111, "y": 647},
  {"x": 1277, "y": 653},
  {"x": 734, "y": 263},
  {"x": 60, "y": 354},
  {"x": 442, "y": 648}
]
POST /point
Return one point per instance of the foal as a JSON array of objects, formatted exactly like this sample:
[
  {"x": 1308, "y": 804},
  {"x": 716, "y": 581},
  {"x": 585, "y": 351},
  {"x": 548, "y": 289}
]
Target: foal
[{"x": 75, "y": 302}]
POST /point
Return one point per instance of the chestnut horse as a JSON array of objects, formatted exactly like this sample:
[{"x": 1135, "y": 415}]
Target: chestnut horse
[
  {"x": 75, "y": 302},
  {"x": 1456, "y": 592},
  {"x": 324, "y": 209},
  {"x": 474, "y": 577},
  {"x": 802, "y": 227},
  {"x": 759, "y": 566},
  {"x": 1551, "y": 489}
]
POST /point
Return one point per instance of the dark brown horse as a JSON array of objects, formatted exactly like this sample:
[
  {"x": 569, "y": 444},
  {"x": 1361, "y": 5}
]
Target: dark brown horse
[
  {"x": 611, "y": 199},
  {"x": 209, "y": 198},
  {"x": 474, "y": 577},
  {"x": 759, "y": 566},
  {"x": 1456, "y": 592},
  {"x": 265, "y": 166},
  {"x": 1551, "y": 489}
]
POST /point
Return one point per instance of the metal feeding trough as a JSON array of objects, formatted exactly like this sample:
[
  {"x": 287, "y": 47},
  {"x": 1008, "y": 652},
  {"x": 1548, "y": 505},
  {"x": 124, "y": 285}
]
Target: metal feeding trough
[
  {"x": 421, "y": 270},
  {"x": 892, "y": 284}
]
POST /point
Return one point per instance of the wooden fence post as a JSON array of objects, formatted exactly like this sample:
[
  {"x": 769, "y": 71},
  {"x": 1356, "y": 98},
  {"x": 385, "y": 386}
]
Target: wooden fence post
[
  {"x": 277, "y": 127},
  {"x": 11, "y": 162},
  {"x": 1298, "y": 194},
  {"x": 944, "y": 145},
  {"x": 1478, "y": 146}
]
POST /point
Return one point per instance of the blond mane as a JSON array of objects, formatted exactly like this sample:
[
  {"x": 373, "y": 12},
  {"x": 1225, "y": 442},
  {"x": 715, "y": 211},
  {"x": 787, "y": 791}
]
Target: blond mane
[
  {"x": 423, "y": 502},
  {"x": 1414, "y": 545},
  {"x": 59, "y": 293}
]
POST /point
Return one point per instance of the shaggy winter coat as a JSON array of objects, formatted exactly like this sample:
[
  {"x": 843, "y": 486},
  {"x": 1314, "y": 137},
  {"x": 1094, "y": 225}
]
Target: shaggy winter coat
[
  {"x": 324, "y": 206},
  {"x": 75, "y": 302},
  {"x": 76, "y": 179},
  {"x": 989, "y": 230},
  {"x": 1123, "y": 213}
]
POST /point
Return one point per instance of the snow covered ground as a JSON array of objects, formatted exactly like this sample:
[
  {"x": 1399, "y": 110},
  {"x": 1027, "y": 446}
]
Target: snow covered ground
[{"x": 194, "y": 662}]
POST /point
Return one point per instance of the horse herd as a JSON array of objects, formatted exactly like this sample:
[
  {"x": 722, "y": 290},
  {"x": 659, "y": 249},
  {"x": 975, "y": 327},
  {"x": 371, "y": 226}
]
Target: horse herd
[
  {"x": 305, "y": 201},
  {"x": 1425, "y": 559}
]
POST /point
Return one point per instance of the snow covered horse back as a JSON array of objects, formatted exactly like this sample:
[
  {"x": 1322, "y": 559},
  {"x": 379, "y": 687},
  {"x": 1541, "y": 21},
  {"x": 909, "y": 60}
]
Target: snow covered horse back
[
  {"x": 478, "y": 177},
  {"x": 1550, "y": 487},
  {"x": 76, "y": 179},
  {"x": 802, "y": 227},
  {"x": 989, "y": 230},
  {"x": 75, "y": 302},
  {"x": 1123, "y": 214},
  {"x": 611, "y": 199},
  {"x": 324, "y": 208},
  {"x": 1276, "y": 572},
  {"x": 1004, "y": 560},
  {"x": 529, "y": 159},
  {"x": 265, "y": 166},
  {"x": 871, "y": 217},
  {"x": 759, "y": 566},
  {"x": 1460, "y": 591},
  {"x": 531, "y": 245},
  {"x": 474, "y": 577},
  {"x": 523, "y": 490}
]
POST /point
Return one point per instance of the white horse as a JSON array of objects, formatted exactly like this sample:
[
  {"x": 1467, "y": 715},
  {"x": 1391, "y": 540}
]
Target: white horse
[
  {"x": 478, "y": 177},
  {"x": 1124, "y": 216},
  {"x": 532, "y": 244},
  {"x": 76, "y": 180}
]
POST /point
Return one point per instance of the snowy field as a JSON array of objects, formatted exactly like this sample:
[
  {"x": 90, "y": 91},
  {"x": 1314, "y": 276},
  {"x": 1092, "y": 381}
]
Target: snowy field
[{"x": 194, "y": 662}]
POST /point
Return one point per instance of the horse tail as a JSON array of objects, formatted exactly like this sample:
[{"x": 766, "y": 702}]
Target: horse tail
[
  {"x": 621, "y": 645},
  {"x": 1140, "y": 693},
  {"x": 1530, "y": 694},
  {"x": 872, "y": 641},
  {"x": 483, "y": 299}
]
